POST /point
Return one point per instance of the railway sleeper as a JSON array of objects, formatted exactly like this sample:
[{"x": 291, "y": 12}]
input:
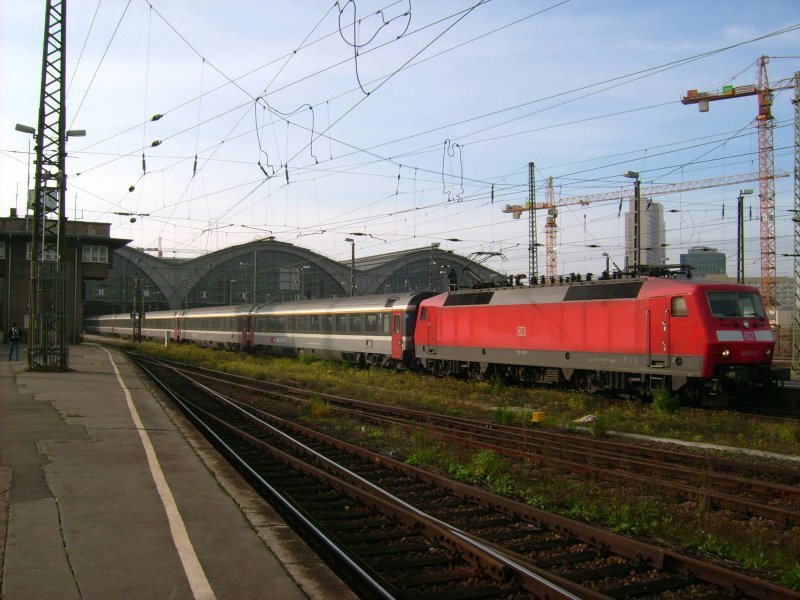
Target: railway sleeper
[
  {"x": 435, "y": 578},
  {"x": 665, "y": 584}
]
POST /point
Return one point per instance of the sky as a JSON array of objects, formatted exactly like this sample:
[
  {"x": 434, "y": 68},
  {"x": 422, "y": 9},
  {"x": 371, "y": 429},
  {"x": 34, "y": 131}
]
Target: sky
[{"x": 404, "y": 124}]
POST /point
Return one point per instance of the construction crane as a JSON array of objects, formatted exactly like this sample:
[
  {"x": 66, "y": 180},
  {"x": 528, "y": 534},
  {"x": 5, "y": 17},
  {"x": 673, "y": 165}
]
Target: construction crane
[
  {"x": 552, "y": 205},
  {"x": 766, "y": 164}
]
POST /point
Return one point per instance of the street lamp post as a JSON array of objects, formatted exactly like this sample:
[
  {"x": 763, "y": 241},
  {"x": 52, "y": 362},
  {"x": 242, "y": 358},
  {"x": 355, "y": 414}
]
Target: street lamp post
[
  {"x": 230, "y": 291},
  {"x": 32, "y": 132},
  {"x": 637, "y": 220},
  {"x": 740, "y": 237},
  {"x": 301, "y": 280},
  {"x": 430, "y": 264},
  {"x": 352, "y": 265}
]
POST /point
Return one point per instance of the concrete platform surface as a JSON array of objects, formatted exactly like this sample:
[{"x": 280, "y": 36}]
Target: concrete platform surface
[{"x": 107, "y": 492}]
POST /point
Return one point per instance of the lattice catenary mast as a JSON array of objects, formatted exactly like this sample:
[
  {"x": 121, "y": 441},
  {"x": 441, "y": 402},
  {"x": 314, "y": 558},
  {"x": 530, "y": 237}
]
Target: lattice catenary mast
[{"x": 47, "y": 343}]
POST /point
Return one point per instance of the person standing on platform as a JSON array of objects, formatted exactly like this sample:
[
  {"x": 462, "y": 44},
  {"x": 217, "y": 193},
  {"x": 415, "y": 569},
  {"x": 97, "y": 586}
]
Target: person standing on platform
[{"x": 14, "y": 337}]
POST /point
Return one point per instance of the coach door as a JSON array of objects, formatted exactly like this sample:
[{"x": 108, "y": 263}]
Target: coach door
[
  {"x": 243, "y": 326},
  {"x": 397, "y": 335},
  {"x": 658, "y": 333}
]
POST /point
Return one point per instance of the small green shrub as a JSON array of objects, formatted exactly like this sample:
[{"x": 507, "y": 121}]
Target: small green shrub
[
  {"x": 665, "y": 401},
  {"x": 498, "y": 386},
  {"x": 319, "y": 408},
  {"x": 599, "y": 427},
  {"x": 504, "y": 416},
  {"x": 792, "y": 578}
]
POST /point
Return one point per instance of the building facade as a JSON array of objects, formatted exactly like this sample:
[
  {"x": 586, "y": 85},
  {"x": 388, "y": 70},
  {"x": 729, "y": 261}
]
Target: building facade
[
  {"x": 89, "y": 250},
  {"x": 266, "y": 271},
  {"x": 704, "y": 261},
  {"x": 652, "y": 234}
]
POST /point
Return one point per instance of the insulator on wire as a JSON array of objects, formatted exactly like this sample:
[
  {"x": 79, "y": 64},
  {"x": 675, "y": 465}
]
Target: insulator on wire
[
  {"x": 156, "y": 117},
  {"x": 144, "y": 165},
  {"x": 155, "y": 143},
  {"x": 194, "y": 168}
]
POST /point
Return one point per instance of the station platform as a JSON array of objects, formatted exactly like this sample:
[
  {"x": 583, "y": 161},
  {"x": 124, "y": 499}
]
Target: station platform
[{"x": 107, "y": 492}]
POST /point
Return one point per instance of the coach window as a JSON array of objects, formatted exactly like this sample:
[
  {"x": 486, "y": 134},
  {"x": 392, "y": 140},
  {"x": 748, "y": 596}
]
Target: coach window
[
  {"x": 314, "y": 320},
  {"x": 327, "y": 322},
  {"x": 397, "y": 323},
  {"x": 302, "y": 323},
  {"x": 371, "y": 323},
  {"x": 341, "y": 323},
  {"x": 387, "y": 324},
  {"x": 679, "y": 308},
  {"x": 355, "y": 323}
]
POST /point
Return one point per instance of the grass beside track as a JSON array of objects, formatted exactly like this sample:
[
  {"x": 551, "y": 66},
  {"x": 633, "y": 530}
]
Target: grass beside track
[{"x": 751, "y": 545}]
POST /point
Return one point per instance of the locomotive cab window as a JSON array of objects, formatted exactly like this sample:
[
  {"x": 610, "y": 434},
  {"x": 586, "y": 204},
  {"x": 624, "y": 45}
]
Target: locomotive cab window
[
  {"x": 735, "y": 304},
  {"x": 678, "y": 307}
]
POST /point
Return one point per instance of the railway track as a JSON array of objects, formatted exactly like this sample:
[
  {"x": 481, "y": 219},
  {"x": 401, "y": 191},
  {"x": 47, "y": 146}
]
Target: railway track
[
  {"x": 407, "y": 533},
  {"x": 765, "y": 490}
]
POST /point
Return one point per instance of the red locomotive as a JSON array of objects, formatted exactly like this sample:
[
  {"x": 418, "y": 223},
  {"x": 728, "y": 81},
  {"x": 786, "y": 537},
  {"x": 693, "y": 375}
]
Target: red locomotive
[{"x": 630, "y": 335}]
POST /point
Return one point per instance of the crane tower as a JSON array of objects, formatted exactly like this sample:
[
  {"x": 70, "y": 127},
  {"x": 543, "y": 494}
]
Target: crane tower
[{"x": 766, "y": 165}]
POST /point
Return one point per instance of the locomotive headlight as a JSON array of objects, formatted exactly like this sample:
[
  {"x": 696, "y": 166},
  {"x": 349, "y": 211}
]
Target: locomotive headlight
[
  {"x": 725, "y": 353},
  {"x": 768, "y": 351},
  {"x": 746, "y": 324}
]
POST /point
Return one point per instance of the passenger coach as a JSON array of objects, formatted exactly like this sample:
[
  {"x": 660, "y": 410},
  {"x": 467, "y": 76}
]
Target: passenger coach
[{"x": 365, "y": 330}]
